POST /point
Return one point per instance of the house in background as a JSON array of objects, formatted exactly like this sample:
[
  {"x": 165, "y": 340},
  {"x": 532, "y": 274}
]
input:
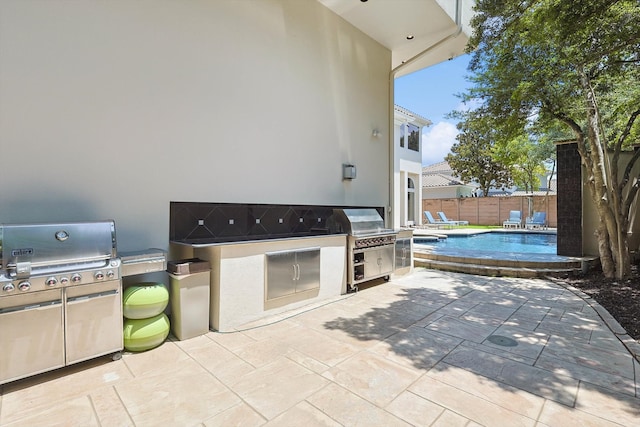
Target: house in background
[
  {"x": 407, "y": 176},
  {"x": 439, "y": 182}
]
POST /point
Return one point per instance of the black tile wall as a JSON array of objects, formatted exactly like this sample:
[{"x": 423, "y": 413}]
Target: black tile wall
[
  {"x": 196, "y": 222},
  {"x": 569, "y": 200}
]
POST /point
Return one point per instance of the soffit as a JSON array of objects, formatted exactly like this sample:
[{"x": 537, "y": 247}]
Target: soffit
[{"x": 389, "y": 22}]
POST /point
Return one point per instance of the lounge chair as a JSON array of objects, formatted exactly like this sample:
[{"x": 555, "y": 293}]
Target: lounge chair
[
  {"x": 431, "y": 221},
  {"x": 514, "y": 221},
  {"x": 444, "y": 219},
  {"x": 538, "y": 220}
]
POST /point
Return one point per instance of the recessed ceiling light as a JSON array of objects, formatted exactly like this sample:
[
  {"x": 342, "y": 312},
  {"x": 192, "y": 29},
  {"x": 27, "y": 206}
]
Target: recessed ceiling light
[
  {"x": 364, "y": 1},
  {"x": 410, "y": 37}
]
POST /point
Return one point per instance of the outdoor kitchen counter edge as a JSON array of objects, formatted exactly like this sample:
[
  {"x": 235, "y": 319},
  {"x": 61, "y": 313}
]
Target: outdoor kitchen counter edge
[{"x": 253, "y": 241}]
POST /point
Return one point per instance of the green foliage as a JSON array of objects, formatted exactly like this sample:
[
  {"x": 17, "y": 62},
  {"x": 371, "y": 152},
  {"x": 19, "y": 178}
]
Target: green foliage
[
  {"x": 529, "y": 57},
  {"x": 557, "y": 68},
  {"x": 525, "y": 159},
  {"x": 472, "y": 157}
]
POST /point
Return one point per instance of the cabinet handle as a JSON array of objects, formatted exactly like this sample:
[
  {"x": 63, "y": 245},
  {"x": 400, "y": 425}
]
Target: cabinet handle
[{"x": 296, "y": 271}]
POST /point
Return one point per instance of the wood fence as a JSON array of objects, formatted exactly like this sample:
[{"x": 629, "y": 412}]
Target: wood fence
[{"x": 492, "y": 210}]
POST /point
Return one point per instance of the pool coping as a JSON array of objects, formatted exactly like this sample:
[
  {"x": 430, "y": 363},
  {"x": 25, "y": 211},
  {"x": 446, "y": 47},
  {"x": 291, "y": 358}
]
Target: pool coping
[{"x": 514, "y": 264}]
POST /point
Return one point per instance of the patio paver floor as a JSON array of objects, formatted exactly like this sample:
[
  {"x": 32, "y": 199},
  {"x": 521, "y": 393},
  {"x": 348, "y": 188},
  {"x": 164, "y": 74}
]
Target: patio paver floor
[{"x": 413, "y": 351}]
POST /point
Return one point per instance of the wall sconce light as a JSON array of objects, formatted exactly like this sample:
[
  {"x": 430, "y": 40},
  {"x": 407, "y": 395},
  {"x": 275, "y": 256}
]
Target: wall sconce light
[
  {"x": 375, "y": 133},
  {"x": 348, "y": 172}
]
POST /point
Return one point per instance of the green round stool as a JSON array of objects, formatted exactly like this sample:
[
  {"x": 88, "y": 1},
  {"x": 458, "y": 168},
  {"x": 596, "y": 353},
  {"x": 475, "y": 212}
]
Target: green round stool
[
  {"x": 144, "y": 300},
  {"x": 145, "y": 334}
]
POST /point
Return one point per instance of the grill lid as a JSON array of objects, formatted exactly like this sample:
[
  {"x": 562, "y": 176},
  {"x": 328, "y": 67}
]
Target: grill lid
[
  {"x": 358, "y": 222},
  {"x": 24, "y": 247}
]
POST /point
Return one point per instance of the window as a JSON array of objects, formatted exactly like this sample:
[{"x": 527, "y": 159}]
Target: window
[
  {"x": 411, "y": 201},
  {"x": 402, "y": 135},
  {"x": 414, "y": 137}
]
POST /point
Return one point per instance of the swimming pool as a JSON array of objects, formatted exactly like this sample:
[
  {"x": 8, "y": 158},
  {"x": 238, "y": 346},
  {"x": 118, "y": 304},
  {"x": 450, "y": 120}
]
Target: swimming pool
[{"x": 494, "y": 241}]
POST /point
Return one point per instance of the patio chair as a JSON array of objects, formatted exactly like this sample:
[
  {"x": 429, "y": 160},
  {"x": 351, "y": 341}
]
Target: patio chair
[
  {"x": 432, "y": 222},
  {"x": 538, "y": 220},
  {"x": 514, "y": 221},
  {"x": 444, "y": 219}
]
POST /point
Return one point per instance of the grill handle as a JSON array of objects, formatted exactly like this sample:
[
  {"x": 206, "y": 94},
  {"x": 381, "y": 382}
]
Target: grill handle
[{"x": 19, "y": 270}]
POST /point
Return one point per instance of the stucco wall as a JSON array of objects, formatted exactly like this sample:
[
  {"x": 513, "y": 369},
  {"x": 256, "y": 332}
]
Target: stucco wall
[{"x": 112, "y": 109}]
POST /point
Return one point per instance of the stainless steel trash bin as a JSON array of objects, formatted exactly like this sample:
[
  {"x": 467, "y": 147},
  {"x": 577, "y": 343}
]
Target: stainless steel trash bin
[{"x": 189, "y": 297}]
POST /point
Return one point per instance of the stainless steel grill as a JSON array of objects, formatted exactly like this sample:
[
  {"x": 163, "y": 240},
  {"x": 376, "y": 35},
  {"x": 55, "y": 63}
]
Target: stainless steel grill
[
  {"x": 60, "y": 296},
  {"x": 370, "y": 246}
]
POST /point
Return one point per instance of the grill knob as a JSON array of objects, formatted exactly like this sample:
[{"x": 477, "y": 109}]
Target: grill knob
[
  {"x": 110, "y": 274},
  {"x": 51, "y": 281},
  {"x": 76, "y": 278},
  {"x": 24, "y": 286},
  {"x": 99, "y": 275},
  {"x": 64, "y": 280},
  {"x": 8, "y": 287}
]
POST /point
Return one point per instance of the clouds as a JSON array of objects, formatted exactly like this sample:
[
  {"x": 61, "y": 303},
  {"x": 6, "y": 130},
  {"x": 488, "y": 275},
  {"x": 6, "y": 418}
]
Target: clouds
[{"x": 437, "y": 141}]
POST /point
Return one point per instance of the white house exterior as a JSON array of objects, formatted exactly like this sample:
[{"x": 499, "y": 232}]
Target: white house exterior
[
  {"x": 112, "y": 109},
  {"x": 407, "y": 177}
]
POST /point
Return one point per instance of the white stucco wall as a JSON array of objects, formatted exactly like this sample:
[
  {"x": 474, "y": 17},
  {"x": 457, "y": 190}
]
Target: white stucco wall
[
  {"x": 406, "y": 163},
  {"x": 112, "y": 109}
]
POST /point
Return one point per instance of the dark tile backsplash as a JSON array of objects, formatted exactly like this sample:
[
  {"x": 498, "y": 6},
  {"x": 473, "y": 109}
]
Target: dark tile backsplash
[{"x": 196, "y": 222}]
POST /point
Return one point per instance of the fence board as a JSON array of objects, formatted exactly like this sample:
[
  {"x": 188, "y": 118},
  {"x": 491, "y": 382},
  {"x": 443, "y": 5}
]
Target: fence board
[{"x": 492, "y": 210}]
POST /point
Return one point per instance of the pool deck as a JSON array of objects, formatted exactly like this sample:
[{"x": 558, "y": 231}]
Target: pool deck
[{"x": 426, "y": 349}]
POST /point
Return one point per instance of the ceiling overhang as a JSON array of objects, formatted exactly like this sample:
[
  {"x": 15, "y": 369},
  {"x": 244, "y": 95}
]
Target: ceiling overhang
[{"x": 419, "y": 33}]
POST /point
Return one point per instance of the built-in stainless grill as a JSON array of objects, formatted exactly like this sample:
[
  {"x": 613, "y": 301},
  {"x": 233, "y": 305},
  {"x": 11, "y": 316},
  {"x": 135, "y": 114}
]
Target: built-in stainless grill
[
  {"x": 370, "y": 246},
  {"x": 60, "y": 296}
]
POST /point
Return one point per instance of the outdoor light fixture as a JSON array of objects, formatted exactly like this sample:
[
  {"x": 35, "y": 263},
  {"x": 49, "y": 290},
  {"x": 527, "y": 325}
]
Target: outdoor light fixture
[
  {"x": 348, "y": 172},
  {"x": 375, "y": 133}
]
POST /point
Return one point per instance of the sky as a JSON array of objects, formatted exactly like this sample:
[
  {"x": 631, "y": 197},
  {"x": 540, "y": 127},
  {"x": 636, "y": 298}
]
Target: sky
[{"x": 431, "y": 94}]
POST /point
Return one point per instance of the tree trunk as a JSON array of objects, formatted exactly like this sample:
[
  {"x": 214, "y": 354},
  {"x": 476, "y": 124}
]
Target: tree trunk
[{"x": 612, "y": 238}]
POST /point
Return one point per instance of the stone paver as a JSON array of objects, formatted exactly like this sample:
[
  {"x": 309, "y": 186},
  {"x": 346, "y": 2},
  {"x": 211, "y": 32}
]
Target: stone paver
[{"x": 427, "y": 349}]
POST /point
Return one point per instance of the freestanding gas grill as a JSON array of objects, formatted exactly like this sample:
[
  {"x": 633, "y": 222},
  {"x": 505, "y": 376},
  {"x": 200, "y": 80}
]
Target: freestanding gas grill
[
  {"x": 60, "y": 296},
  {"x": 370, "y": 246}
]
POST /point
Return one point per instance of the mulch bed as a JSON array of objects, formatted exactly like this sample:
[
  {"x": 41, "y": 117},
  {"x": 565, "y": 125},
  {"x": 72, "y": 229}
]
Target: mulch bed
[{"x": 620, "y": 298}]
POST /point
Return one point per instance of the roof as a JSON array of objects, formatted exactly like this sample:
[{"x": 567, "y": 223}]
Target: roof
[
  {"x": 441, "y": 180},
  {"x": 532, "y": 193},
  {"x": 411, "y": 116},
  {"x": 441, "y": 167},
  {"x": 441, "y": 175}
]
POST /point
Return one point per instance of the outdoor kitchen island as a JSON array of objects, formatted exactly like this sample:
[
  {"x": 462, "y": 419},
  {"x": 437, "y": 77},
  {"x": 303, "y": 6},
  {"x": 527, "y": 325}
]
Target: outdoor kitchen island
[
  {"x": 251, "y": 280},
  {"x": 265, "y": 259}
]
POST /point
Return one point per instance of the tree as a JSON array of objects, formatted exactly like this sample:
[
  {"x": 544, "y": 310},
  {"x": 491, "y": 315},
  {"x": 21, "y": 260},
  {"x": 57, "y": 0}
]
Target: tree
[
  {"x": 539, "y": 62},
  {"x": 472, "y": 160},
  {"x": 525, "y": 159}
]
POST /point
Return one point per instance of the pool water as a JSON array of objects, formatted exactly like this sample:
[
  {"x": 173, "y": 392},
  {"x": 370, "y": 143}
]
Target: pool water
[{"x": 495, "y": 241}]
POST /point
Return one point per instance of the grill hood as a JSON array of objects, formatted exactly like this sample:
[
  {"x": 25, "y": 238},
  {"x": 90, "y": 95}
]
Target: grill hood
[
  {"x": 24, "y": 247},
  {"x": 358, "y": 222}
]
